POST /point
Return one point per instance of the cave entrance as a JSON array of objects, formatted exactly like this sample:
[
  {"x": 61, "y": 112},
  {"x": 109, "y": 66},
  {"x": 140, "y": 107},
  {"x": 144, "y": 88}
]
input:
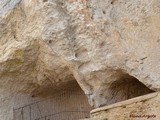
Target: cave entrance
[
  {"x": 68, "y": 103},
  {"x": 126, "y": 87}
]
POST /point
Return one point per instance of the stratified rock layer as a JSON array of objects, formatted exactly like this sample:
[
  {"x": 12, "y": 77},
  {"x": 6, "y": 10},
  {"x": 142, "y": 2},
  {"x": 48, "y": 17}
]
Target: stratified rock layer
[{"x": 110, "y": 47}]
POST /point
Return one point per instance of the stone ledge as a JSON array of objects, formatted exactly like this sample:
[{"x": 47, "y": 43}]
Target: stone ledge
[
  {"x": 145, "y": 107},
  {"x": 126, "y": 102}
]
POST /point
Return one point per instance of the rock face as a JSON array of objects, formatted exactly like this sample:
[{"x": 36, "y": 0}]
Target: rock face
[{"x": 110, "y": 47}]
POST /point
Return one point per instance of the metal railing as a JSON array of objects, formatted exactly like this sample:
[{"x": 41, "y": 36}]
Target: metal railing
[{"x": 66, "y": 105}]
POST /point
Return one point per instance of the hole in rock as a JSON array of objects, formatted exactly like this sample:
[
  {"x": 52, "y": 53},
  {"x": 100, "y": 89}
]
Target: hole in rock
[
  {"x": 50, "y": 41},
  {"x": 113, "y": 1},
  {"x": 104, "y": 12},
  {"x": 45, "y": 0},
  {"x": 127, "y": 87}
]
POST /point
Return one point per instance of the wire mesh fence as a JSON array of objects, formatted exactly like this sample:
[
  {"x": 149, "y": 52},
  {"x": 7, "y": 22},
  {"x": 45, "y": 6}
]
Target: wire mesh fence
[{"x": 66, "y": 105}]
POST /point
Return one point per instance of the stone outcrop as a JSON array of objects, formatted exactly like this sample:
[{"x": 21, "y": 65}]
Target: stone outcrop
[{"x": 110, "y": 47}]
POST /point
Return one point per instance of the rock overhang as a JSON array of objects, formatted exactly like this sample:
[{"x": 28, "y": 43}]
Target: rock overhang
[{"x": 94, "y": 43}]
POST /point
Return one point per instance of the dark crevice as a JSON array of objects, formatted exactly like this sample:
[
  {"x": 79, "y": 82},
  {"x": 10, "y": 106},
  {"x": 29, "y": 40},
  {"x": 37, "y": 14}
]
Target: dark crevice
[
  {"x": 113, "y": 1},
  {"x": 104, "y": 12},
  {"x": 45, "y": 0},
  {"x": 50, "y": 41}
]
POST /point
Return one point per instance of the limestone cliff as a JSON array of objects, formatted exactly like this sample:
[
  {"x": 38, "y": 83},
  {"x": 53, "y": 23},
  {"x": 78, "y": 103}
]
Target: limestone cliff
[{"x": 110, "y": 47}]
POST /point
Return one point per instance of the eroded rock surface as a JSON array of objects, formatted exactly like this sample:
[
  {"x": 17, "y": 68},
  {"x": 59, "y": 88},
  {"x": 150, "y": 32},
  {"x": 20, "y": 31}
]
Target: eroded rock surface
[{"x": 110, "y": 47}]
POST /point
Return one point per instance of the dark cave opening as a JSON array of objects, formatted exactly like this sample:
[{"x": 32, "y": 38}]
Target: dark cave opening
[{"x": 125, "y": 88}]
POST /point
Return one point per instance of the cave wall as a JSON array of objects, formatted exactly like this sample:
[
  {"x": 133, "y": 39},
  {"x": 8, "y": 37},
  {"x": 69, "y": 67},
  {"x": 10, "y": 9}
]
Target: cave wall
[
  {"x": 63, "y": 104},
  {"x": 95, "y": 42}
]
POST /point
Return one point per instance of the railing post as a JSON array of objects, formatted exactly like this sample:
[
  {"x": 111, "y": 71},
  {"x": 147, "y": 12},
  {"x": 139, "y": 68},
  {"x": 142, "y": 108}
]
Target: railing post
[
  {"x": 30, "y": 112},
  {"x": 14, "y": 114},
  {"x": 22, "y": 113}
]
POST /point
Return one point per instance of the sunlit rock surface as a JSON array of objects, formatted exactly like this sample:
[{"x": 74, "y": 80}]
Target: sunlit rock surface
[{"x": 110, "y": 47}]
